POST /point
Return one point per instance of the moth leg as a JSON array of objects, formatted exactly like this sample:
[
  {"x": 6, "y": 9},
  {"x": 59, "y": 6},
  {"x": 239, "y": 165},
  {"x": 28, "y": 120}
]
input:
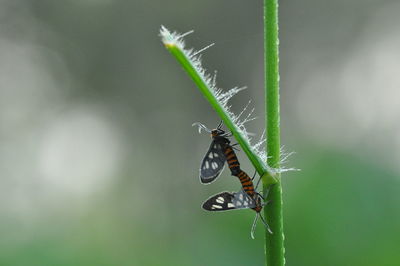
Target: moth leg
[
  {"x": 259, "y": 194},
  {"x": 258, "y": 182},
  {"x": 233, "y": 146},
  {"x": 254, "y": 175},
  {"x": 220, "y": 124},
  {"x": 267, "y": 192},
  {"x": 266, "y": 224},
  {"x": 266, "y": 203}
]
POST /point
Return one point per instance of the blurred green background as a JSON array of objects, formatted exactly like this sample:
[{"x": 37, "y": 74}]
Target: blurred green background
[{"x": 99, "y": 162}]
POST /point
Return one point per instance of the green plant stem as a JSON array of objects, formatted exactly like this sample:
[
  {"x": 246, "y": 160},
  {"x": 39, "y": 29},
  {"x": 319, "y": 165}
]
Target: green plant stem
[
  {"x": 273, "y": 242},
  {"x": 198, "y": 79}
]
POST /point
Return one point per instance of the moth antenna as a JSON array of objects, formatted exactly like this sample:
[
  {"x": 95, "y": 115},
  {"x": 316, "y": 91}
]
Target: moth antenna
[
  {"x": 201, "y": 126},
  {"x": 253, "y": 227},
  {"x": 265, "y": 224}
]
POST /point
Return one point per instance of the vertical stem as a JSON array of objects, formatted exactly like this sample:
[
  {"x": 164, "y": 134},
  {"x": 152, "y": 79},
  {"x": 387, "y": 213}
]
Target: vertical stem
[{"x": 273, "y": 211}]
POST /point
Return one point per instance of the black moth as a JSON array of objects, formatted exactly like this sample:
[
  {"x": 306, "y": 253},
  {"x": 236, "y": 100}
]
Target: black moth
[
  {"x": 226, "y": 201},
  {"x": 214, "y": 159}
]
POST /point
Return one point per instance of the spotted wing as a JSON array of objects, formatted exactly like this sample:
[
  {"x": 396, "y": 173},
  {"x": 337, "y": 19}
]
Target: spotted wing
[
  {"x": 229, "y": 201},
  {"x": 212, "y": 164}
]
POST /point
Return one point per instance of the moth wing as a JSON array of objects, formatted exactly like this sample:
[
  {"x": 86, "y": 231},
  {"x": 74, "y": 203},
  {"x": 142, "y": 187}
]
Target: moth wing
[
  {"x": 219, "y": 202},
  {"x": 229, "y": 201},
  {"x": 242, "y": 200},
  {"x": 212, "y": 164}
]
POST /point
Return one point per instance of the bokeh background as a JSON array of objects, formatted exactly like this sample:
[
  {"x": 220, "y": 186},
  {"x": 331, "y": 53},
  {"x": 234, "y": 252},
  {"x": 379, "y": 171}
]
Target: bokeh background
[{"x": 99, "y": 162}]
